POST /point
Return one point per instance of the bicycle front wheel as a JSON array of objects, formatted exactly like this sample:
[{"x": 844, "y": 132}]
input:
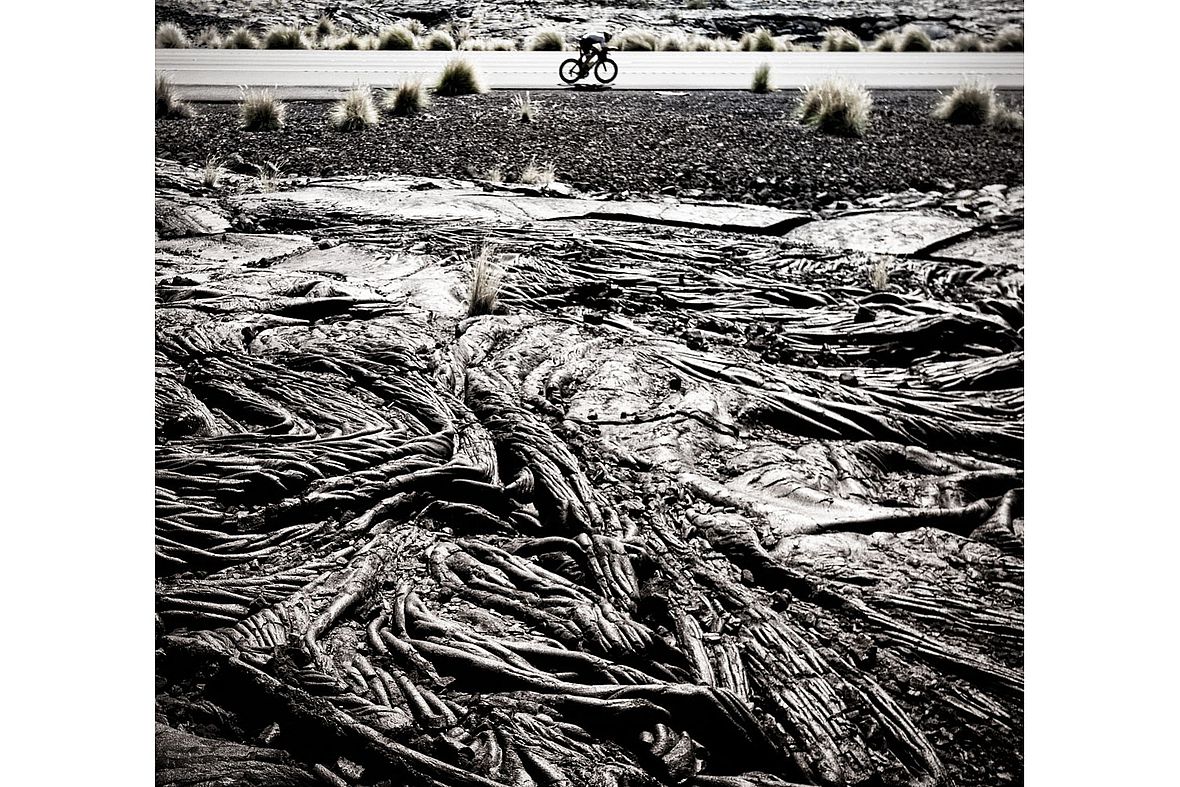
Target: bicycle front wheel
[
  {"x": 606, "y": 71},
  {"x": 570, "y": 71}
]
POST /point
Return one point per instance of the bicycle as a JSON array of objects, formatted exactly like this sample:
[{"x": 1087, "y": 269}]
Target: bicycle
[{"x": 605, "y": 70}]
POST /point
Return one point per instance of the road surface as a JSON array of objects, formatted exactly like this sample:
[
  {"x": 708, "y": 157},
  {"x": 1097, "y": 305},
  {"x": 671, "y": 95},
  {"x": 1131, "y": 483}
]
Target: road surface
[{"x": 217, "y": 74}]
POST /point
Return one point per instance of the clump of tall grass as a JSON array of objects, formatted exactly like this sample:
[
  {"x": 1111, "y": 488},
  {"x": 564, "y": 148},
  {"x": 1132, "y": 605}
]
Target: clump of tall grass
[
  {"x": 282, "y": 37},
  {"x": 761, "y": 82},
  {"x": 966, "y": 42},
  {"x": 261, "y": 111},
  {"x": 524, "y": 107},
  {"x": 914, "y": 39},
  {"x": 1010, "y": 39},
  {"x": 325, "y": 28},
  {"x": 969, "y": 104},
  {"x": 269, "y": 173},
  {"x": 838, "y": 107},
  {"x": 459, "y": 78},
  {"x": 885, "y": 42},
  {"x": 672, "y": 42},
  {"x": 348, "y": 41},
  {"x": 760, "y": 40},
  {"x": 634, "y": 39},
  {"x": 171, "y": 36},
  {"x": 839, "y": 39},
  {"x": 406, "y": 99},
  {"x": 396, "y": 37},
  {"x": 439, "y": 40},
  {"x": 488, "y": 45},
  {"x": 879, "y": 276},
  {"x": 240, "y": 38},
  {"x": 486, "y": 276},
  {"x": 168, "y": 103},
  {"x": 210, "y": 38},
  {"x": 354, "y": 112},
  {"x": 1004, "y": 118},
  {"x": 545, "y": 39},
  {"x": 415, "y": 26},
  {"x": 212, "y": 173},
  {"x": 538, "y": 175}
]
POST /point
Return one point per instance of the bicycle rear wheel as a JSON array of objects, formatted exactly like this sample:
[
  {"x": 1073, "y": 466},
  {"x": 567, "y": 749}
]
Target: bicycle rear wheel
[
  {"x": 570, "y": 70},
  {"x": 606, "y": 71}
]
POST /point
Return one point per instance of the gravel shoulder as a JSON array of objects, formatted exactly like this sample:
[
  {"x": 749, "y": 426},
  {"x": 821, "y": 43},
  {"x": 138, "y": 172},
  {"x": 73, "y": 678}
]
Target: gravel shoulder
[{"x": 708, "y": 144}]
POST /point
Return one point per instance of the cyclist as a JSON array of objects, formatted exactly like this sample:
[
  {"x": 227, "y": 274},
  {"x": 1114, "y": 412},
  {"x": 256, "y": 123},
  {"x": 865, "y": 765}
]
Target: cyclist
[{"x": 593, "y": 43}]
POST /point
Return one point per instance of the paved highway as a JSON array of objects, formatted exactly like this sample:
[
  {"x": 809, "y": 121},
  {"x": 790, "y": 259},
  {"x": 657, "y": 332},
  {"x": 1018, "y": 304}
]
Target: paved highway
[{"x": 217, "y": 74}]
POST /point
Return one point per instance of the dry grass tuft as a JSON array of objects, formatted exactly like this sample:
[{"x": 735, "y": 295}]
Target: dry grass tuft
[
  {"x": 535, "y": 175},
  {"x": 885, "y": 42},
  {"x": 914, "y": 39},
  {"x": 170, "y": 36},
  {"x": 966, "y": 42},
  {"x": 494, "y": 175},
  {"x": 1004, "y": 118},
  {"x": 261, "y": 111},
  {"x": 459, "y": 78},
  {"x": 282, "y": 37},
  {"x": 240, "y": 38},
  {"x": 546, "y": 39},
  {"x": 212, "y": 173},
  {"x": 486, "y": 276},
  {"x": 969, "y": 104},
  {"x": 761, "y": 40},
  {"x": 762, "y": 82},
  {"x": 396, "y": 38},
  {"x": 210, "y": 38},
  {"x": 839, "y": 39},
  {"x": 1010, "y": 39},
  {"x": 354, "y": 112},
  {"x": 439, "y": 41},
  {"x": 672, "y": 42},
  {"x": 406, "y": 99},
  {"x": 524, "y": 107},
  {"x": 415, "y": 26},
  {"x": 269, "y": 173},
  {"x": 879, "y": 276},
  {"x": 348, "y": 41},
  {"x": 325, "y": 28},
  {"x": 838, "y": 107},
  {"x": 634, "y": 39},
  {"x": 168, "y": 103}
]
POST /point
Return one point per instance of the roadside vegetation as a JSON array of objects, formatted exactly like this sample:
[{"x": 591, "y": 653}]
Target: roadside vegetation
[
  {"x": 839, "y": 39},
  {"x": 459, "y": 78},
  {"x": 408, "y": 98},
  {"x": 547, "y": 39},
  {"x": 240, "y": 38},
  {"x": 412, "y": 34},
  {"x": 261, "y": 111},
  {"x": 284, "y": 38},
  {"x": 355, "y": 112},
  {"x": 976, "y": 104},
  {"x": 168, "y": 103},
  {"x": 524, "y": 107},
  {"x": 761, "y": 83},
  {"x": 439, "y": 40},
  {"x": 170, "y": 36},
  {"x": 395, "y": 38},
  {"x": 837, "y": 107}
]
